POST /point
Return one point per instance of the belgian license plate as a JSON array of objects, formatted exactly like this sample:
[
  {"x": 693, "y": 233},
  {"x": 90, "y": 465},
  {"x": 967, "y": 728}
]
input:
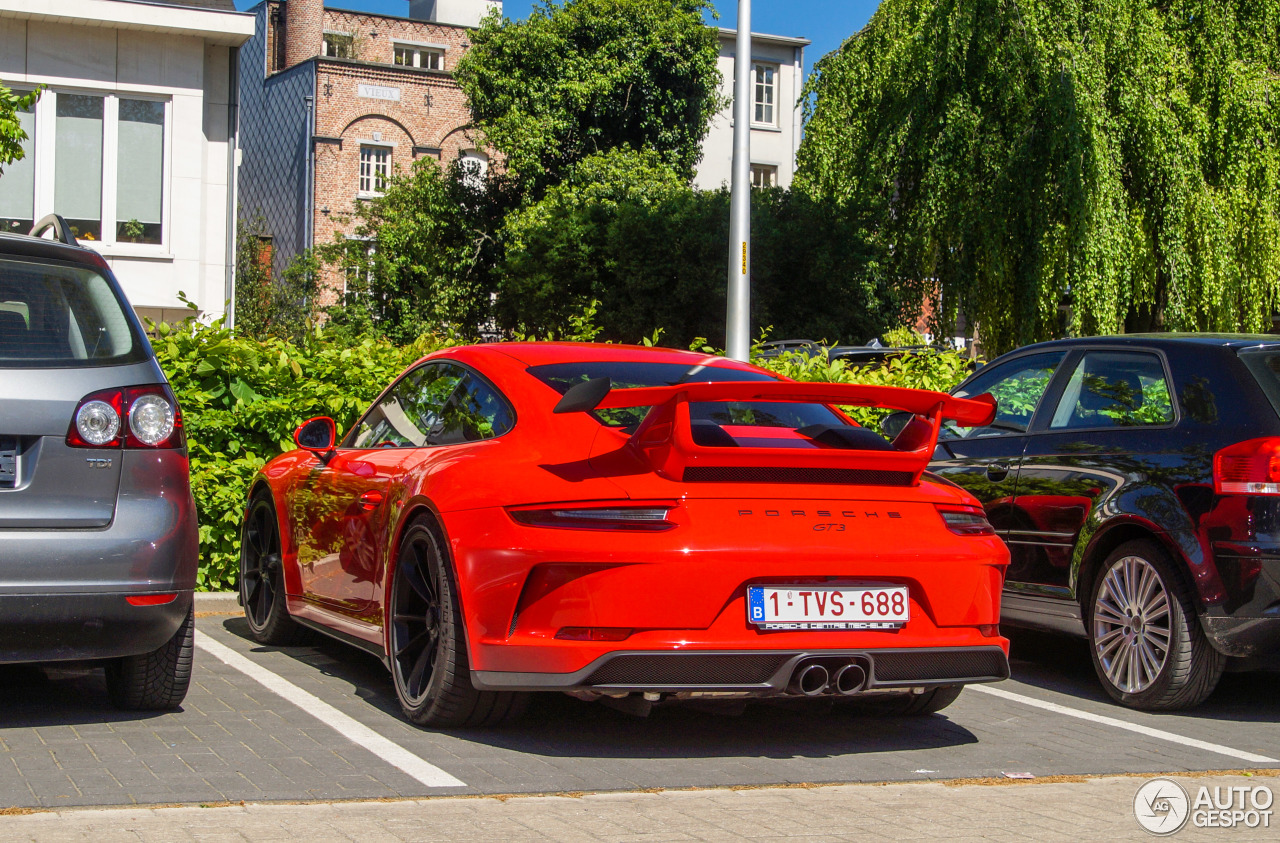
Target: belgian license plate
[{"x": 828, "y": 606}]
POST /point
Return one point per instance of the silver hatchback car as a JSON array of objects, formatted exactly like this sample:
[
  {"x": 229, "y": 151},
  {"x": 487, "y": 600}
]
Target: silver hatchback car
[{"x": 98, "y": 540}]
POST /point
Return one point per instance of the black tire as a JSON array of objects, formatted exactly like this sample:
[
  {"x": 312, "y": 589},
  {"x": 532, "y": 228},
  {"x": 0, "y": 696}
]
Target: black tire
[
  {"x": 908, "y": 705},
  {"x": 262, "y": 578},
  {"x": 426, "y": 642},
  {"x": 1146, "y": 642},
  {"x": 157, "y": 680}
]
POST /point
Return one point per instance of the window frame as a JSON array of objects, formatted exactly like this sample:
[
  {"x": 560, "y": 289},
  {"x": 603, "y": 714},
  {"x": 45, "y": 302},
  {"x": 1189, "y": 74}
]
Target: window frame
[
  {"x": 44, "y": 155},
  {"x": 1058, "y": 386},
  {"x": 387, "y": 148},
  {"x": 766, "y": 169},
  {"x": 325, "y": 43},
  {"x": 1051, "y": 393},
  {"x": 757, "y": 85},
  {"x": 348, "y": 441},
  {"x": 418, "y": 51}
]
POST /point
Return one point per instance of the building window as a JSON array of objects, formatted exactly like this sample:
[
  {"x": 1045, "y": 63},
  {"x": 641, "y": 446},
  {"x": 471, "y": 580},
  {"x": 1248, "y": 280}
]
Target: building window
[
  {"x": 18, "y": 182},
  {"x": 764, "y": 175},
  {"x": 375, "y": 169},
  {"x": 764, "y": 84},
  {"x": 430, "y": 58},
  {"x": 99, "y": 163},
  {"x": 339, "y": 45}
]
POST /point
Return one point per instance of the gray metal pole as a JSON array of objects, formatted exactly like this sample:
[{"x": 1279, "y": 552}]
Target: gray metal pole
[{"x": 738, "y": 326}]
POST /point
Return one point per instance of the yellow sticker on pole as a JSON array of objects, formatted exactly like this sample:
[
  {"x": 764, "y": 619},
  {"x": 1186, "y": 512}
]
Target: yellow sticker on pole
[{"x": 744, "y": 257}]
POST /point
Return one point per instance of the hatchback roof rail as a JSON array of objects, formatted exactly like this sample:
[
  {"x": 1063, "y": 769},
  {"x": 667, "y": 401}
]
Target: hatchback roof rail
[{"x": 61, "y": 231}]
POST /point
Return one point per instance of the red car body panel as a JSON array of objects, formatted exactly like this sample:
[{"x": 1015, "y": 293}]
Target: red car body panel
[{"x": 678, "y": 590}]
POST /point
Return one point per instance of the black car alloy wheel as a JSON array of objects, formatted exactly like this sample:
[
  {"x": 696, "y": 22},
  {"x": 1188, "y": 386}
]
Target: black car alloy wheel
[{"x": 1148, "y": 648}]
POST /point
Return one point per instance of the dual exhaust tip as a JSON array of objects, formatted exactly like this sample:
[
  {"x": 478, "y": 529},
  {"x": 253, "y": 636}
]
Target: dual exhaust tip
[{"x": 814, "y": 678}]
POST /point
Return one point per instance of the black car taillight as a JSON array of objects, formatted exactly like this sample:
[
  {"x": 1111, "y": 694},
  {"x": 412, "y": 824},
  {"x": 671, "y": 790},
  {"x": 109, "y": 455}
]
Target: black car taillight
[
  {"x": 131, "y": 417},
  {"x": 644, "y": 518},
  {"x": 1248, "y": 468},
  {"x": 966, "y": 521}
]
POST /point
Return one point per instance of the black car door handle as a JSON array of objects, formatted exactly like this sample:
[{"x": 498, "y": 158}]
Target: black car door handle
[{"x": 997, "y": 472}]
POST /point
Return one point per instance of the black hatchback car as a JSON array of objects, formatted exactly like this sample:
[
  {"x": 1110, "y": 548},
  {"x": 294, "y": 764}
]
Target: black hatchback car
[{"x": 1136, "y": 480}]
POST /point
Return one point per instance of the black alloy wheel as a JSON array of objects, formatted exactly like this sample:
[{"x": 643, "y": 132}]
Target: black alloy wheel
[
  {"x": 262, "y": 578},
  {"x": 426, "y": 643}
]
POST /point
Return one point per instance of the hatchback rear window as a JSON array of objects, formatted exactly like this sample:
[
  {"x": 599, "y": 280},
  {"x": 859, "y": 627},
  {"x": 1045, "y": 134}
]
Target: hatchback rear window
[
  {"x": 631, "y": 375},
  {"x": 59, "y": 315}
]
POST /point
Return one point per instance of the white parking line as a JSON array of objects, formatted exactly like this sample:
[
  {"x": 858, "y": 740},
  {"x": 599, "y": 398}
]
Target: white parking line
[
  {"x": 1159, "y": 734},
  {"x": 351, "y": 729}
]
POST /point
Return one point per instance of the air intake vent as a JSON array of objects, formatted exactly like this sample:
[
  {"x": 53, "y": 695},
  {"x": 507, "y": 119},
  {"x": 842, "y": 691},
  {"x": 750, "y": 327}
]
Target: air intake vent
[
  {"x": 688, "y": 669},
  {"x": 843, "y": 476},
  {"x": 926, "y": 666}
]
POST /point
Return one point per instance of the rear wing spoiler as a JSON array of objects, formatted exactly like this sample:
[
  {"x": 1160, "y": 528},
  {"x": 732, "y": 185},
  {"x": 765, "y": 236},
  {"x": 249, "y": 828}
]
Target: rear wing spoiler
[{"x": 665, "y": 437}]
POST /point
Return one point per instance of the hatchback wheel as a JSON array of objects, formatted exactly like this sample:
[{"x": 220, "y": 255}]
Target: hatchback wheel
[
  {"x": 427, "y": 645},
  {"x": 155, "y": 680},
  {"x": 262, "y": 578},
  {"x": 1147, "y": 644}
]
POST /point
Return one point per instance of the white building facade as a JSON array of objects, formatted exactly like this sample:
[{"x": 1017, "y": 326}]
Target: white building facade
[
  {"x": 777, "y": 79},
  {"x": 133, "y": 140}
]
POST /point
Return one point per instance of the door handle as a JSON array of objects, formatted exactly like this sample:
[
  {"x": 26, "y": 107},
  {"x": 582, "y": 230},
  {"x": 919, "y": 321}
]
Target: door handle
[
  {"x": 371, "y": 500},
  {"x": 997, "y": 471}
]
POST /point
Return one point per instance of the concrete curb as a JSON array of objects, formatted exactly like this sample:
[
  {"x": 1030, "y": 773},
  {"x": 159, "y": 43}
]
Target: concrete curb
[{"x": 218, "y": 601}]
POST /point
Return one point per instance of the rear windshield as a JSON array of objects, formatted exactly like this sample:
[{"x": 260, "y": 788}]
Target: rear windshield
[
  {"x": 631, "y": 375},
  {"x": 58, "y": 315},
  {"x": 1265, "y": 366}
]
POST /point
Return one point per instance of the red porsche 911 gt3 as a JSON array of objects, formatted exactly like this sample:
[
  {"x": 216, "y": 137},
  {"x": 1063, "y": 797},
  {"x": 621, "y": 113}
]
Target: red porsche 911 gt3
[{"x": 612, "y": 521}]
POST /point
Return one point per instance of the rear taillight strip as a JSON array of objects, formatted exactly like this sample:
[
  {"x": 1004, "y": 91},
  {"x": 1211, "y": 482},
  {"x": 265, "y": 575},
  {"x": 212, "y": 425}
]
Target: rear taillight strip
[
  {"x": 641, "y": 518},
  {"x": 966, "y": 521},
  {"x": 144, "y": 417},
  {"x": 1251, "y": 467}
]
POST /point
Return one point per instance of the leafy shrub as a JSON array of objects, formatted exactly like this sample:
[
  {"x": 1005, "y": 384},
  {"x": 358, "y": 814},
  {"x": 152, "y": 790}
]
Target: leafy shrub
[{"x": 242, "y": 399}]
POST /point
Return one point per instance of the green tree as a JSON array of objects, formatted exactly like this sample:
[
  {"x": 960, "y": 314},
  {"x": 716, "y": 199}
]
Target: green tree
[
  {"x": 11, "y": 133},
  {"x": 421, "y": 257},
  {"x": 1120, "y": 156},
  {"x": 588, "y": 76},
  {"x": 624, "y": 230}
]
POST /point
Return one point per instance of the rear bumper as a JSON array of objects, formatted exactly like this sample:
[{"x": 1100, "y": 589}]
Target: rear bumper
[
  {"x": 766, "y": 673},
  {"x": 72, "y": 627}
]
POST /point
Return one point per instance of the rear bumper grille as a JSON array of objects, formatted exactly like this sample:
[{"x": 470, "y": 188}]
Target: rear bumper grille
[
  {"x": 838, "y": 476},
  {"x": 689, "y": 669},
  {"x": 903, "y": 667},
  {"x": 763, "y": 673}
]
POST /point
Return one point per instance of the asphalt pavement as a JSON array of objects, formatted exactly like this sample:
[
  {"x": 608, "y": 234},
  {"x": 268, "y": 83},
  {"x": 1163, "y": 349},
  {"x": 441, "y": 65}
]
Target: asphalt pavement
[{"x": 320, "y": 724}]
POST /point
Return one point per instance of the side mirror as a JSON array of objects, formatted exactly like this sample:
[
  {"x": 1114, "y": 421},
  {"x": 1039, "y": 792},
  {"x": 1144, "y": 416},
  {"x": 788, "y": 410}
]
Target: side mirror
[
  {"x": 892, "y": 424},
  {"x": 317, "y": 435}
]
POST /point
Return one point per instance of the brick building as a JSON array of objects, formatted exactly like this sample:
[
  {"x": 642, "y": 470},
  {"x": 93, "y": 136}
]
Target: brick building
[{"x": 333, "y": 101}]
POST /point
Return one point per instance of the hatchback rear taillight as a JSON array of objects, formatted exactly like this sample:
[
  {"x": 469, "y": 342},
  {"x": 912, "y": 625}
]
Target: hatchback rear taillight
[
  {"x": 132, "y": 417},
  {"x": 1248, "y": 468},
  {"x": 966, "y": 521}
]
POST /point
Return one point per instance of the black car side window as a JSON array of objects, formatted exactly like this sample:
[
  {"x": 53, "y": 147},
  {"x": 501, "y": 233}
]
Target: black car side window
[
  {"x": 1017, "y": 387},
  {"x": 436, "y": 404},
  {"x": 1114, "y": 389}
]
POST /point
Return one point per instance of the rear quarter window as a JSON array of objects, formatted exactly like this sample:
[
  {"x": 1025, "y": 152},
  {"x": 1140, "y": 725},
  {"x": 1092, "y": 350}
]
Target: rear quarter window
[{"x": 62, "y": 315}]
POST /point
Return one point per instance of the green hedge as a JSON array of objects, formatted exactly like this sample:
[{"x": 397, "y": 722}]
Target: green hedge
[{"x": 242, "y": 399}]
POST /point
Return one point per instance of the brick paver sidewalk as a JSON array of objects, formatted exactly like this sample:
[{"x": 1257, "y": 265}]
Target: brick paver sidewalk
[{"x": 1089, "y": 809}]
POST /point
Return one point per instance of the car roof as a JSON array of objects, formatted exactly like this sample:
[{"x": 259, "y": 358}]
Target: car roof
[
  {"x": 543, "y": 353},
  {"x": 37, "y": 247},
  {"x": 1233, "y": 341}
]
